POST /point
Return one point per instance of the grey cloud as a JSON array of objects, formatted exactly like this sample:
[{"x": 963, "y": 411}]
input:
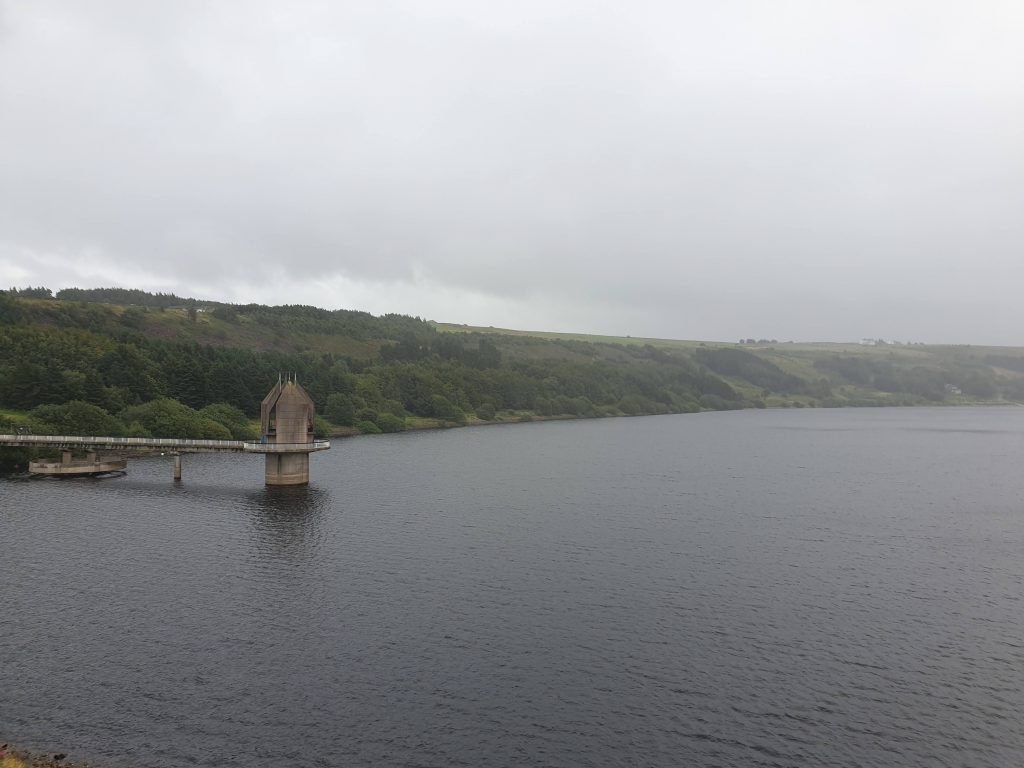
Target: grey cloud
[{"x": 695, "y": 169}]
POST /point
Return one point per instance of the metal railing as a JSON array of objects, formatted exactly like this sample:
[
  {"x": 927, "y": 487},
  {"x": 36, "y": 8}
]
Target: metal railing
[
  {"x": 316, "y": 445},
  {"x": 169, "y": 443}
]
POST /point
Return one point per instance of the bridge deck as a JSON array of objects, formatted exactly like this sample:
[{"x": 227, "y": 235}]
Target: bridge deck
[{"x": 184, "y": 445}]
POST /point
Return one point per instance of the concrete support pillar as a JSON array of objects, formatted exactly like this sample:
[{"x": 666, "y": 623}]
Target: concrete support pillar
[
  {"x": 177, "y": 467},
  {"x": 287, "y": 469},
  {"x": 65, "y": 457}
]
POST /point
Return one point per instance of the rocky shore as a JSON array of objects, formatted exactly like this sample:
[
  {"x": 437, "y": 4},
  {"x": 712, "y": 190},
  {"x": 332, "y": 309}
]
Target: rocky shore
[{"x": 11, "y": 757}]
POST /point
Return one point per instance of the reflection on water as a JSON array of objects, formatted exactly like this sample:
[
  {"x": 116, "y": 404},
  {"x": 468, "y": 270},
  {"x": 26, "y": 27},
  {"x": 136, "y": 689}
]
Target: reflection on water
[{"x": 288, "y": 520}]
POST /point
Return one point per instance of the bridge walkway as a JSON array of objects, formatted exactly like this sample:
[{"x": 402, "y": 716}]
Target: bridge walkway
[{"x": 181, "y": 445}]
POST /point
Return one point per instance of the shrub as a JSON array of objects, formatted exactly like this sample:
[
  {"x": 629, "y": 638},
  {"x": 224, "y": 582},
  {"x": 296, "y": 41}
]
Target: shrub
[
  {"x": 365, "y": 414},
  {"x": 388, "y": 422},
  {"x": 716, "y": 403},
  {"x": 232, "y": 419},
  {"x": 169, "y": 418},
  {"x": 135, "y": 429},
  {"x": 340, "y": 409},
  {"x": 394, "y": 407},
  {"x": 74, "y": 418},
  {"x": 633, "y": 405},
  {"x": 444, "y": 409},
  {"x": 321, "y": 427}
]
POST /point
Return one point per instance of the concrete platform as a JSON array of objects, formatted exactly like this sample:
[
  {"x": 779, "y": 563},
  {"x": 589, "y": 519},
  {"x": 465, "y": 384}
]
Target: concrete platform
[{"x": 79, "y": 468}]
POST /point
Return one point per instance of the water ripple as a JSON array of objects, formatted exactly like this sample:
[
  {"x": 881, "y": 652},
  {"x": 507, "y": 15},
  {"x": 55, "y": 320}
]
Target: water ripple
[{"x": 738, "y": 589}]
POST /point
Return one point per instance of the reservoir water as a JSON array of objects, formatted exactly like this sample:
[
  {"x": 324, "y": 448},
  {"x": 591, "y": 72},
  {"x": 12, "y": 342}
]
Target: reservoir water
[{"x": 755, "y": 588}]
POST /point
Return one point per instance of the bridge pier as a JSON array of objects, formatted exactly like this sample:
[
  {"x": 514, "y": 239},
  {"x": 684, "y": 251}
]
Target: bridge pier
[
  {"x": 287, "y": 469},
  {"x": 177, "y": 467}
]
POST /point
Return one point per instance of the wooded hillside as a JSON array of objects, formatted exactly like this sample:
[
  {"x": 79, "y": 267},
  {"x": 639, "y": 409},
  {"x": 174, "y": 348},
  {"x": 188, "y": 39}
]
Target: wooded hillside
[{"x": 129, "y": 362}]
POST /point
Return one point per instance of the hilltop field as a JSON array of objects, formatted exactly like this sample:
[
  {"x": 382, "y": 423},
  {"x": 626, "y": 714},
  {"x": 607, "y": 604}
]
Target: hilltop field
[{"x": 116, "y": 361}]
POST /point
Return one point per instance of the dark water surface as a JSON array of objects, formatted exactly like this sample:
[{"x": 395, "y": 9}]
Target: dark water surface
[{"x": 781, "y": 588}]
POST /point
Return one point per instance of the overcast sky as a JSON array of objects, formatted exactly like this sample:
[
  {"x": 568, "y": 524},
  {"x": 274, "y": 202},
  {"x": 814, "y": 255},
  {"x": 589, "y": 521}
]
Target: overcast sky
[{"x": 794, "y": 170}]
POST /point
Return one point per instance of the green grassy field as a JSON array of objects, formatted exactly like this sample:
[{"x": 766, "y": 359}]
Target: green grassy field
[
  {"x": 780, "y": 348},
  {"x": 560, "y": 336}
]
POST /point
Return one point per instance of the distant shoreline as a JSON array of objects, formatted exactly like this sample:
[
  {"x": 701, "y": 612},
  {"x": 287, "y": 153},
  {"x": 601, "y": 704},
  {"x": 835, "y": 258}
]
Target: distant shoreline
[{"x": 349, "y": 432}]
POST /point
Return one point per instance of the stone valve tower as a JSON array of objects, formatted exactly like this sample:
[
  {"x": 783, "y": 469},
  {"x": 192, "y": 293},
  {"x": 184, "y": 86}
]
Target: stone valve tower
[{"x": 286, "y": 433}]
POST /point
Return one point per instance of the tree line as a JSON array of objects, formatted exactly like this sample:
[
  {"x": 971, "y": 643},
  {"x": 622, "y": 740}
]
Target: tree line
[
  {"x": 130, "y": 362},
  {"x": 60, "y": 352}
]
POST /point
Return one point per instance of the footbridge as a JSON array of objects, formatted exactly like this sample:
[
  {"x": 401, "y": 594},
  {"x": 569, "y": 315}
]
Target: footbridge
[
  {"x": 286, "y": 440},
  {"x": 125, "y": 445},
  {"x": 185, "y": 445}
]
